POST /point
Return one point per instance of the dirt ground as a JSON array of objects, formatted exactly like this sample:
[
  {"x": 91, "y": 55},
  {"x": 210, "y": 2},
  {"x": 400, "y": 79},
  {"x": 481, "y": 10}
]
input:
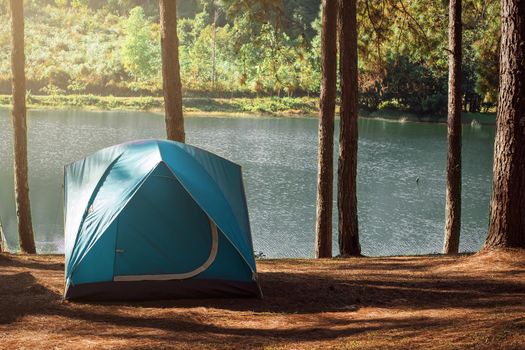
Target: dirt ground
[{"x": 424, "y": 302}]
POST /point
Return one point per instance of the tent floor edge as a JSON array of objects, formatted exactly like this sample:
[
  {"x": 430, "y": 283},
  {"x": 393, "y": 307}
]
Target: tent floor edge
[{"x": 161, "y": 290}]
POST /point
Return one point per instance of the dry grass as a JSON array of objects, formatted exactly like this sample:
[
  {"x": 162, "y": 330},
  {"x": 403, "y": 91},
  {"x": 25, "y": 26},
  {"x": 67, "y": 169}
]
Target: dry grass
[{"x": 429, "y": 302}]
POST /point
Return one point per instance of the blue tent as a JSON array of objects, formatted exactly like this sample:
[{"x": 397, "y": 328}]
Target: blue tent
[{"x": 156, "y": 219}]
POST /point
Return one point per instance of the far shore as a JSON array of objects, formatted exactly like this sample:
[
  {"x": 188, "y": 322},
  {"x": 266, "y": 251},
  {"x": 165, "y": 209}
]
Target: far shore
[{"x": 237, "y": 107}]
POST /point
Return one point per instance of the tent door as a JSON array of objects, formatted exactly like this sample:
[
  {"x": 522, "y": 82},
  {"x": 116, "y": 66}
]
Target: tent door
[{"x": 162, "y": 234}]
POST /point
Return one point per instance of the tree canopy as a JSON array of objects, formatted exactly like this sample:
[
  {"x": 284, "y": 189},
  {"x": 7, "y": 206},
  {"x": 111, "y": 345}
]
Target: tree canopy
[{"x": 268, "y": 47}]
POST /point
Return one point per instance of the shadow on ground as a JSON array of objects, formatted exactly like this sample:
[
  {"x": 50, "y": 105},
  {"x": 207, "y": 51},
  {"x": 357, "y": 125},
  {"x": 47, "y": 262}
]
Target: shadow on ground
[{"x": 30, "y": 288}]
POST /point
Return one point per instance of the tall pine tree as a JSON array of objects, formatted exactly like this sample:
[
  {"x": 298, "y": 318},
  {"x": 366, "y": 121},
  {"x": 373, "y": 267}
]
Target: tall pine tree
[
  {"x": 171, "y": 82},
  {"x": 507, "y": 206},
  {"x": 325, "y": 167},
  {"x": 23, "y": 207},
  {"x": 453, "y": 192},
  {"x": 347, "y": 165}
]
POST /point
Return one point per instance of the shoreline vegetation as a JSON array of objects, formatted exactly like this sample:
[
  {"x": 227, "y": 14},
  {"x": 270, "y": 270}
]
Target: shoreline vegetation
[{"x": 235, "y": 106}]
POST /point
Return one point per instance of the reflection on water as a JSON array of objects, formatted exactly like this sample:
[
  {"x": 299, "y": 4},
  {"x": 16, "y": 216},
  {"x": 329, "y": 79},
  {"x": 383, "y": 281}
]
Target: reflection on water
[{"x": 397, "y": 215}]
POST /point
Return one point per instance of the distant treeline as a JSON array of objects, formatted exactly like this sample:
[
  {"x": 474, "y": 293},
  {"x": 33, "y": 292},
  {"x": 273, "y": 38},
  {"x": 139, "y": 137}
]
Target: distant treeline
[{"x": 253, "y": 48}]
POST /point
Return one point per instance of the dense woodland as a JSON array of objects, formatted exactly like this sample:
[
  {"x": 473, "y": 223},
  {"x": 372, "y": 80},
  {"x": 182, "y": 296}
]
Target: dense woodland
[{"x": 254, "y": 48}]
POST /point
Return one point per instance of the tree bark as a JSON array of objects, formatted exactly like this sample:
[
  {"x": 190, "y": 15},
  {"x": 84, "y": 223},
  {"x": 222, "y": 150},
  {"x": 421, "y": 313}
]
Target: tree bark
[
  {"x": 323, "y": 237},
  {"x": 3, "y": 246},
  {"x": 171, "y": 71},
  {"x": 23, "y": 208},
  {"x": 507, "y": 207},
  {"x": 453, "y": 192},
  {"x": 347, "y": 169},
  {"x": 214, "y": 46}
]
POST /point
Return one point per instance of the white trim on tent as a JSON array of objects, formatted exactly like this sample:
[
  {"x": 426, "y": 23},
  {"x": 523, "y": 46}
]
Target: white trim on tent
[
  {"x": 180, "y": 276},
  {"x": 191, "y": 195}
]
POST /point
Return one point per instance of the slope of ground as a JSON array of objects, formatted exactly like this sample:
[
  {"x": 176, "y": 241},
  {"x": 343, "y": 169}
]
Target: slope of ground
[{"x": 429, "y": 302}]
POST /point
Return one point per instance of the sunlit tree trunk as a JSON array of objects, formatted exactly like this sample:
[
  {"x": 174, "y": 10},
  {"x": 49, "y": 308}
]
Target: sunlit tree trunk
[
  {"x": 23, "y": 208},
  {"x": 507, "y": 206},
  {"x": 2, "y": 239},
  {"x": 347, "y": 169},
  {"x": 214, "y": 47},
  {"x": 171, "y": 71},
  {"x": 453, "y": 192},
  {"x": 323, "y": 237}
]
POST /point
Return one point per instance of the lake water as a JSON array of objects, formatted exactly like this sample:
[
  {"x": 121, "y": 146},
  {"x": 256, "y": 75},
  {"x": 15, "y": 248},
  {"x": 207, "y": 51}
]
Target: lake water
[{"x": 397, "y": 215}]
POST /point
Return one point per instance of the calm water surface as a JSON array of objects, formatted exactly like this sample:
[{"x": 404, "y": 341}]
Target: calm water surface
[{"x": 397, "y": 215}]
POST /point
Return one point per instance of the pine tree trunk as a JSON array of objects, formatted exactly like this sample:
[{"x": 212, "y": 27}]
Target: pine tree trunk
[
  {"x": 3, "y": 246},
  {"x": 214, "y": 47},
  {"x": 507, "y": 207},
  {"x": 453, "y": 192},
  {"x": 347, "y": 170},
  {"x": 323, "y": 238},
  {"x": 171, "y": 71},
  {"x": 23, "y": 208}
]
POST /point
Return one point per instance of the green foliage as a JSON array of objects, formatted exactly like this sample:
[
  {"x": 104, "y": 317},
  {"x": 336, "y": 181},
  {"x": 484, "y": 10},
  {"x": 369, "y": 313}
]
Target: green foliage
[
  {"x": 140, "y": 50},
  {"x": 51, "y": 89},
  {"x": 266, "y": 105},
  {"x": 253, "y": 48},
  {"x": 486, "y": 53},
  {"x": 414, "y": 86}
]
